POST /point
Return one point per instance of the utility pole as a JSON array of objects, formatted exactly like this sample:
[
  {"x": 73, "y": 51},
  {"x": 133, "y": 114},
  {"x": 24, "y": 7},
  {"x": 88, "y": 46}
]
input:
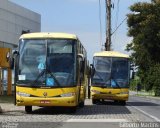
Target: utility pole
[{"x": 108, "y": 25}]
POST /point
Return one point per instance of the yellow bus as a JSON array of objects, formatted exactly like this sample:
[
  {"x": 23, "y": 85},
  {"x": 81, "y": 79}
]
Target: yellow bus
[
  {"x": 50, "y": 70},
  {"x": 110, "y": 73}
]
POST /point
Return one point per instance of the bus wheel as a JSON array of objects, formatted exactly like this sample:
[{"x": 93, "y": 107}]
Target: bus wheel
[
  {"x": 95, "y": 101},
  {"x": 73, "y": 109},
  {"x": 123, "y": 103},
  {"x": 81, "y": 104},
  {"x": 28, "y": 109},
  {"x": 116, "y": 101}
]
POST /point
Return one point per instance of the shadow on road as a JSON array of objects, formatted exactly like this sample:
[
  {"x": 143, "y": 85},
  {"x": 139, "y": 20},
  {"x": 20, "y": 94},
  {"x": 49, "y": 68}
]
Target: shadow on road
[
  {"x": 52, "y": 110},
  {"x": 139, "y": 103},
  {"x": 101, "y": 108}
]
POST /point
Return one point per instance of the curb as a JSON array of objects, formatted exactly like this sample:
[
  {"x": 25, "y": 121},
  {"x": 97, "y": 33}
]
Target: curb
[
  {"x": 149, "y": 97},
  {"x": 143, "y": 96}
]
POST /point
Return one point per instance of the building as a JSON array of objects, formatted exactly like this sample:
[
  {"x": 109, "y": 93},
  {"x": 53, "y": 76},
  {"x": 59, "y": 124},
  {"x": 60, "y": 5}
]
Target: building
[{"x": 13, "y": 20}]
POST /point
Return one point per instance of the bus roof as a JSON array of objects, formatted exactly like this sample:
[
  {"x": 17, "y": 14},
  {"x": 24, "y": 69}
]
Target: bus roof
[
  {"x": 111, "y": 54},
  {"x": 48, "y": 35}
]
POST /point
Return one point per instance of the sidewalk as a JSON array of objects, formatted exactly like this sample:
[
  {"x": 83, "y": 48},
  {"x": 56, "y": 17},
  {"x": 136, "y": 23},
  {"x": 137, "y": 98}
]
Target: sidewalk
[
  {"x": 5, "y": 100},
  {"x": 143, "y": 94}
]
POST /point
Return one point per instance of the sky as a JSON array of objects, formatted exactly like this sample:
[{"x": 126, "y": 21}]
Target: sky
[{"x": 82, "y": 17}]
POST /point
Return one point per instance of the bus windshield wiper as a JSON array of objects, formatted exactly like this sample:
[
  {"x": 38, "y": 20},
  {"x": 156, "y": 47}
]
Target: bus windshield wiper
[
  {"x": 36, "y": 80},
  {"x": 52, "y": 75},
  {"x": 41, "y": 74},
  {"x": 118, "y": 86},
  {"x": 102, "y": 78},
  {"x": 110, "y": 85},
  {"x": 106, "y": 85}
]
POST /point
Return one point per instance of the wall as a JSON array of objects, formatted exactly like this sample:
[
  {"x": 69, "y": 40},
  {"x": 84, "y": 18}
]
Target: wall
[{"x": 14, "y": 19}]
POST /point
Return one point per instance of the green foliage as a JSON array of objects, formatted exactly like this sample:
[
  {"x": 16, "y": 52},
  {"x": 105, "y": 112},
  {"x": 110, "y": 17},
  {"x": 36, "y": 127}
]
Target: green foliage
[
  {"x": 157, "y": 91},
  {"x": 133, "y": 85},
  {"x": 135, "y": 82},
  {"x": 144, "y": 27},
  {"x": 152, "y": 80}
]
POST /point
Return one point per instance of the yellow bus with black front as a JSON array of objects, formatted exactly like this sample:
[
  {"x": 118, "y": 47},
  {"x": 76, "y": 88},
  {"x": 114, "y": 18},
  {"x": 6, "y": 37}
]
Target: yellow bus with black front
[
  {"x": 50, "y": 70},
  {"x": 110, "y": 77}
]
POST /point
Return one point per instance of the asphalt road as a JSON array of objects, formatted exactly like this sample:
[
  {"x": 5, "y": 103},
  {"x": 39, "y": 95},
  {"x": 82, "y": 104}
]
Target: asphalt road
[
  {"x": 103, "y": 115},
  {"x": 148, "y": 106}
]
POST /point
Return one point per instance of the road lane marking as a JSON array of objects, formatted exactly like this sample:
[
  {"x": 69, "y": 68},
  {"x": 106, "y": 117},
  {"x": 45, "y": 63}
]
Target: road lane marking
[
  {"x": 96, "y": 120},
  {"x": 151, "y": 116}
]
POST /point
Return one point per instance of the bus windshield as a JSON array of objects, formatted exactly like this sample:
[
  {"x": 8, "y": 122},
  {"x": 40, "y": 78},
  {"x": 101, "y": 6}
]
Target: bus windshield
[
  {"x": 46, "y": 62},
  {"x": 111, "y": 72}
]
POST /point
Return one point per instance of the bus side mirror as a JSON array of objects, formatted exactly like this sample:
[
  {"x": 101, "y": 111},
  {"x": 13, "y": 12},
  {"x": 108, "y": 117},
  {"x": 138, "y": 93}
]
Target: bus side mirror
[
  {"x": 132, "y": 66},
  {"x": 92, "y": 70},
  {"x": 12, "y": 59},
  {"x": 82, "y": 62},
  {"x": 133, "y": 75},
  {"x": 81, "y": 56},
  {"x": 11, "y": 62}
]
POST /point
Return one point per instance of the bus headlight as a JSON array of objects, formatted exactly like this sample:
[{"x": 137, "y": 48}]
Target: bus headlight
[
  {"x": 68, "y": 94},
  {"x": 124, "y": 92},
  {"x": 95, "y": 91},
  {"x": 23, "y": 94}
]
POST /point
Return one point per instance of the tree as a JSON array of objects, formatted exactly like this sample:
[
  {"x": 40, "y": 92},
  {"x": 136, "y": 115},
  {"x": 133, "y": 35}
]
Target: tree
[
  {"x": 153, "y": 80},
  {"x": 144, "y": 27}
]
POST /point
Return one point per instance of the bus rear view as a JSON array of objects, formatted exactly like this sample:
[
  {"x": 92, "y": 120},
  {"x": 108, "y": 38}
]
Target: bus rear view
[{"x": 110, "y": 77}]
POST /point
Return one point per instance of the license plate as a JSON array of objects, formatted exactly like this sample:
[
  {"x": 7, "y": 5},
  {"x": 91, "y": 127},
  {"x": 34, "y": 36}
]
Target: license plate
[
  {"x": 109, "y": 97},
  {"x": 45, "y": 102}
]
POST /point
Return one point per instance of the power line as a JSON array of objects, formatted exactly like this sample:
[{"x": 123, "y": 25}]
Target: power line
[
  {"x": 100, "y": 24},
  {"x": 116, "y": 18},
  {"x": 118, "y": 26},
  {"x": 117, "y": 13}
]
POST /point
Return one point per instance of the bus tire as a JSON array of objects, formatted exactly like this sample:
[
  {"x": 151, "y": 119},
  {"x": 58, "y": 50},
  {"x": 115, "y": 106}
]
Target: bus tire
[
  {"x": 123, "y": 103},
  {"x": 28, "y": 109},
  {"x": 73, "y": 109},
  {"x": 116, "y": 102},
  {"x": 95, "y": 101},
  {"x": 81, "y": 104}
]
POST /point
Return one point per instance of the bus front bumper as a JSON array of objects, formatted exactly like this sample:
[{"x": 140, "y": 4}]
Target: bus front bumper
[
  {"x": 120, "y": 97},
  {"x": 39, "y": 101}
]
